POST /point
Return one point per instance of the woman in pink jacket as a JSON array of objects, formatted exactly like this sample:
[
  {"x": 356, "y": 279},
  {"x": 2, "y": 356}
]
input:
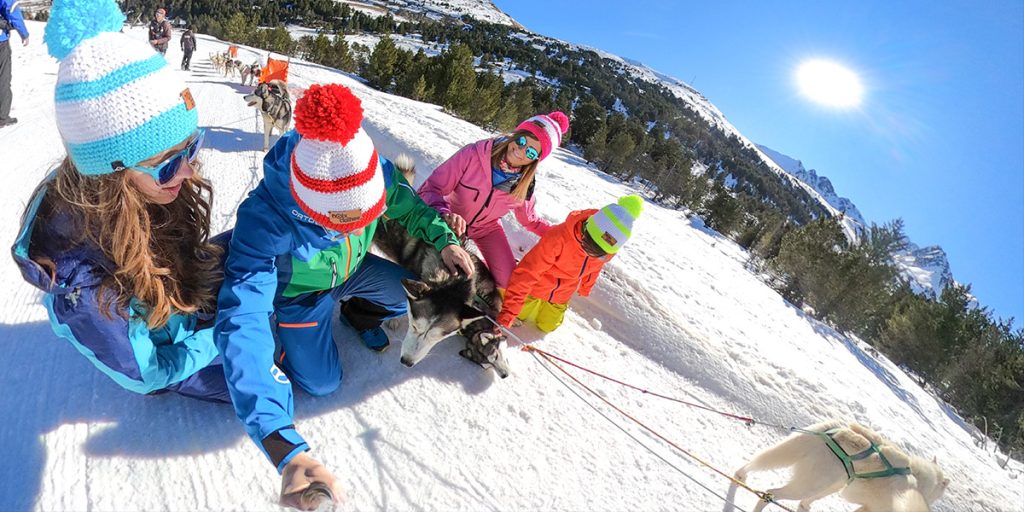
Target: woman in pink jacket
[{"x": 483, "y": 181}]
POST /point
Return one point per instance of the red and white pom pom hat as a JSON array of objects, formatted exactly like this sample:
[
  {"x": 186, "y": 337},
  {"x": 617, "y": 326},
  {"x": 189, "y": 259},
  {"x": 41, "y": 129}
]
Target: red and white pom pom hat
[{"x": 336, "y": 176}]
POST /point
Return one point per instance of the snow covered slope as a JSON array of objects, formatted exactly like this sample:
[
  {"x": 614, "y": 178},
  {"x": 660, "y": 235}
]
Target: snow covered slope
[
  {"x": 483, "y": 10},
  {"x": 675, "y": 313}
]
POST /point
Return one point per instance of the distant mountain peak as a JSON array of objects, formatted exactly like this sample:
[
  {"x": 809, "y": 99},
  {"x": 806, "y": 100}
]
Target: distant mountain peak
[
  {"x": 926, "y": 268},
  {"x": 819, "y": 183}
]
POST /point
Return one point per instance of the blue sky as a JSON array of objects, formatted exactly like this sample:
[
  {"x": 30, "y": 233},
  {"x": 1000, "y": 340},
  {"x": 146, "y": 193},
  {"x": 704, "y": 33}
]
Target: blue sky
[{"x": 938, "y": 139}]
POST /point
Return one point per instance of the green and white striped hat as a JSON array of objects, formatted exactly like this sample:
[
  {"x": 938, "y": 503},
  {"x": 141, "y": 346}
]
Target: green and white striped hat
[{"x": 611, "y": 226}]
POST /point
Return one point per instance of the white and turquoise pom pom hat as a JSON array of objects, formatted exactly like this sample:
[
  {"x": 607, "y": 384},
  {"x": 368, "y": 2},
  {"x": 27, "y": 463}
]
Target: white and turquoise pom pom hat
[{"x": 118, "y": 102}]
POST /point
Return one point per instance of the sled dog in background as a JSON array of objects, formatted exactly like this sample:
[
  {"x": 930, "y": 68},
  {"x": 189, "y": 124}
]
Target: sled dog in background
[
  {"x": 250, "y": 73},
  {"x": 275, "y": 104},
  {"x": 881, "y": 477},
  {"x": 442, "y": 304}
]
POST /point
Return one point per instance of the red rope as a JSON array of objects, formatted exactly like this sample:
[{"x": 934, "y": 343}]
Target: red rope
[
  {"x": 766, "y": 497},
  {"x": 748, "y": 421}
]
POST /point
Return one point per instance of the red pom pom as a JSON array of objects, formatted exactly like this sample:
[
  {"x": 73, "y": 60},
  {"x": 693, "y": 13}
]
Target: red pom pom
[
  {"x": 328, "y": 113},
  {"x": 561, "y": 119}
]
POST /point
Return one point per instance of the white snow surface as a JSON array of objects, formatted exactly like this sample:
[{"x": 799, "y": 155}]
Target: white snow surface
[{"x": 676, "y": 312}]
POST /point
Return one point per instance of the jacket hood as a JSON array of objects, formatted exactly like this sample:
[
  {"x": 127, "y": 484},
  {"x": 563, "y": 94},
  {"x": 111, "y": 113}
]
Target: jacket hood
[{"x": 76, "y": 265}]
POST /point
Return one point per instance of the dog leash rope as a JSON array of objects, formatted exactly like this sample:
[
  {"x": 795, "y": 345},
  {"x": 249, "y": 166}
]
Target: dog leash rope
[
  {"x": 764, "y": 496},
  {"x": 634, "y": 438},
  {"x": 748, "y": 421}
]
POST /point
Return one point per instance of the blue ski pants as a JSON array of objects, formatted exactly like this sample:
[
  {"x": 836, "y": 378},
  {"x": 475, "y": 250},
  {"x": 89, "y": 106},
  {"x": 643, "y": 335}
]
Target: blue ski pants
[{"x": 372, "y": 294}]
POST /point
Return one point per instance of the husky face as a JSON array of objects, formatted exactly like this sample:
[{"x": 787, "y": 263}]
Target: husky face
[
  {"x": 486, "y": 349},
  {"x": 432, "y": 318}
]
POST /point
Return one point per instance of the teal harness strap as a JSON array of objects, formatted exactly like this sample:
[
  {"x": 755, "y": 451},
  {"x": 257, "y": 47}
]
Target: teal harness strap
[{"x": 847, "y": 460}]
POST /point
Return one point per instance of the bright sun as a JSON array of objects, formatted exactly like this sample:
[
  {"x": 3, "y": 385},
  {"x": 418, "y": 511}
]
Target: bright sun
[{"x": 829, "y": 83}]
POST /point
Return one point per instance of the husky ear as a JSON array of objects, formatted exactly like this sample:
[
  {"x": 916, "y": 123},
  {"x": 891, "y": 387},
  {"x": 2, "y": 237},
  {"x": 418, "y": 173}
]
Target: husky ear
[
  {"x": 414, "y": 289},
  {"x": 468, "y": 314}
]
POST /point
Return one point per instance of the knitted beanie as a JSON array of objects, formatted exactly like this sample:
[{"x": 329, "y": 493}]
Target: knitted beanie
[
  {"x": 336, "y": 176},
  {"x": 117, "y": 101},
  {"x": 550, "y": 131},
  {"x": 611, "y": 226}
]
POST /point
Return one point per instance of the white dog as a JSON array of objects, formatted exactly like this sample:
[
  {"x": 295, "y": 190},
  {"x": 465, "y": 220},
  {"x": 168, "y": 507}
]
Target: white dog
[{"x": 884, "y": 478}]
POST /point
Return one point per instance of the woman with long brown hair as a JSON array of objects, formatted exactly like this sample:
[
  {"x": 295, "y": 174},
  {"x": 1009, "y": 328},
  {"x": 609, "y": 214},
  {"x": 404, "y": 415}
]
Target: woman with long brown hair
[
  {"x": 117, "y": 236},
  {"x": 485, "y": 180}
]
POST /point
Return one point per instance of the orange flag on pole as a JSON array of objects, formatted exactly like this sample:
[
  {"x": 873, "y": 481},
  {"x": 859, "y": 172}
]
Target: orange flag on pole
[{"x": 274, "y": 70}]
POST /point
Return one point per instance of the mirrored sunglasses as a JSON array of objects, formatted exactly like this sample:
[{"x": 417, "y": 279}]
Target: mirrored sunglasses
[
  {"x": 531, "y": 153},
  {"x": 168, "y": 169}
]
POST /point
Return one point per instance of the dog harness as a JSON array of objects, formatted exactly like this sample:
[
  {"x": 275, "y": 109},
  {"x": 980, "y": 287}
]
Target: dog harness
[{"x": 847, "y": 459}]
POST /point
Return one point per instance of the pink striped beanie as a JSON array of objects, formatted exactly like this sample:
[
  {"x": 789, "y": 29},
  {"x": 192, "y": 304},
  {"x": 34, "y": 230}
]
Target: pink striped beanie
[{"x": 548, "y": 129}]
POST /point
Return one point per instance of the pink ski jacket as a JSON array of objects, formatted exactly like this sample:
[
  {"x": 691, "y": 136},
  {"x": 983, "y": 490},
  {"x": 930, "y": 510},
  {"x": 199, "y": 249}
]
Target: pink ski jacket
[{"x": 462, "y": 185}]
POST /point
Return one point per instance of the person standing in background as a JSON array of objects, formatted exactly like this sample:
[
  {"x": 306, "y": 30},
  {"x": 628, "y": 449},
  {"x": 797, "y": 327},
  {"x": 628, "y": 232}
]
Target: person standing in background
[
  {"x": 10, "y": 18},
  {"x": 160, "y": 31},
  {"x": 188, "y": 45}
]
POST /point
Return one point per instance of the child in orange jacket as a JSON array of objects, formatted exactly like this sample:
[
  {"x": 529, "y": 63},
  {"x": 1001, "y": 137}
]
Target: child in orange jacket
[{"x": 566, "y": 260}]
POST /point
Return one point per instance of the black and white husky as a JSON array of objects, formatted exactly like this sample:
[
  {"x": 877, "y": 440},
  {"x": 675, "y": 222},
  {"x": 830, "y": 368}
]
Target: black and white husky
[
  {"x": 275, "y": 104},
  {"x": 440, "y": 303}
]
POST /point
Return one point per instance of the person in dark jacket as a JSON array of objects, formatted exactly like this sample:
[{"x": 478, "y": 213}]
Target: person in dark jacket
[
  {"x": 300, "y": 247},
  {"x": 159, "y": 31},
  {"x": 10, "y": 18},
  {"x": 117, "y": 235},
  {"x": 188, "y": 45}
]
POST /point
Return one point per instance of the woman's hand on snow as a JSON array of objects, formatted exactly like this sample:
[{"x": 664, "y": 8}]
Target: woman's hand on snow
[
  {"x": 456, "y": 223},
  {"x": 457, "y": 260},
  {"x": 301, "y": 472}
]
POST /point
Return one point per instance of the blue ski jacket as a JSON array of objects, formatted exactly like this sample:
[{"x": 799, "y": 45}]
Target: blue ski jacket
[
  {"x": 278, "y": 252},
  {"x": 122, "y": 347},
  {"x": 11, "y": 12}
]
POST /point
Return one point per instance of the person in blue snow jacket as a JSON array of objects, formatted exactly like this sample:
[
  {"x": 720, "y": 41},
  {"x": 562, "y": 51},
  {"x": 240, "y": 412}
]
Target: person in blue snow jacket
[
  {"x": 117, "y": 235},
  {"x": 299, "y": 248},
  {"x": 10, "y": 18}
]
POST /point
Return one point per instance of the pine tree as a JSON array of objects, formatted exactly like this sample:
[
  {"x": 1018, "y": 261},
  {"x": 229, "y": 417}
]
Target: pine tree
[
  {"x": 238, "y": 29},
  {"x": 380, "y": 69},
  {"x": 722, "y": 213},
  {"x": 458, "y": 80},
  {"x": 619, "y": 153},
  {"x": 596, "y": 147},
  {"x": 588, "y": 119},
  {"x": 340, "y": 55},
  {"x": 807, "y": 260},
  {"x": 487, "y": 99}
]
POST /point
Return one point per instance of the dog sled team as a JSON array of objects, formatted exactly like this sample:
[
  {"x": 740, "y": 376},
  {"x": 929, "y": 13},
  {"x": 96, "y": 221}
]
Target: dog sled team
[{"x": 118, "y": 239}]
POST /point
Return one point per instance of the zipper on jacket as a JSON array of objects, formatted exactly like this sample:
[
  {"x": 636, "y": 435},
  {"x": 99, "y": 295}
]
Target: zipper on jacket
[
  {"x": 579, "y": 278},
  {"x": 334, "y": 272},
  {"x": 481, "y": 210}
]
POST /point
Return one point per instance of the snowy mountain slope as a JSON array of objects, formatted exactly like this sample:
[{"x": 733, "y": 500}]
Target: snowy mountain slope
[
  {"x": 484, "y": 10},
  {"x": 927, "y": 269},
  {"x": 676, "y": 313}
]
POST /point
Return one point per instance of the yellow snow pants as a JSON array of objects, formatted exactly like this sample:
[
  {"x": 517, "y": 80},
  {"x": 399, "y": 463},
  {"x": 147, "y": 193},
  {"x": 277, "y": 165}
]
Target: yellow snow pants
[{"x": 545, "y": 315}]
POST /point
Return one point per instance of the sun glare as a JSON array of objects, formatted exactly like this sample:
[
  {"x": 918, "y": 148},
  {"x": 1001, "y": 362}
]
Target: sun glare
[{"x": 829, "y": 83}]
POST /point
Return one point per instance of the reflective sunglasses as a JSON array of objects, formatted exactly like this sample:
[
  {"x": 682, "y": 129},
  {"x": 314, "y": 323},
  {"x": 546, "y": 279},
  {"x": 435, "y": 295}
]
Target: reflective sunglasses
[
  {"x": 164, "y": 172},
  {"x": 531, "y": 153}
]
